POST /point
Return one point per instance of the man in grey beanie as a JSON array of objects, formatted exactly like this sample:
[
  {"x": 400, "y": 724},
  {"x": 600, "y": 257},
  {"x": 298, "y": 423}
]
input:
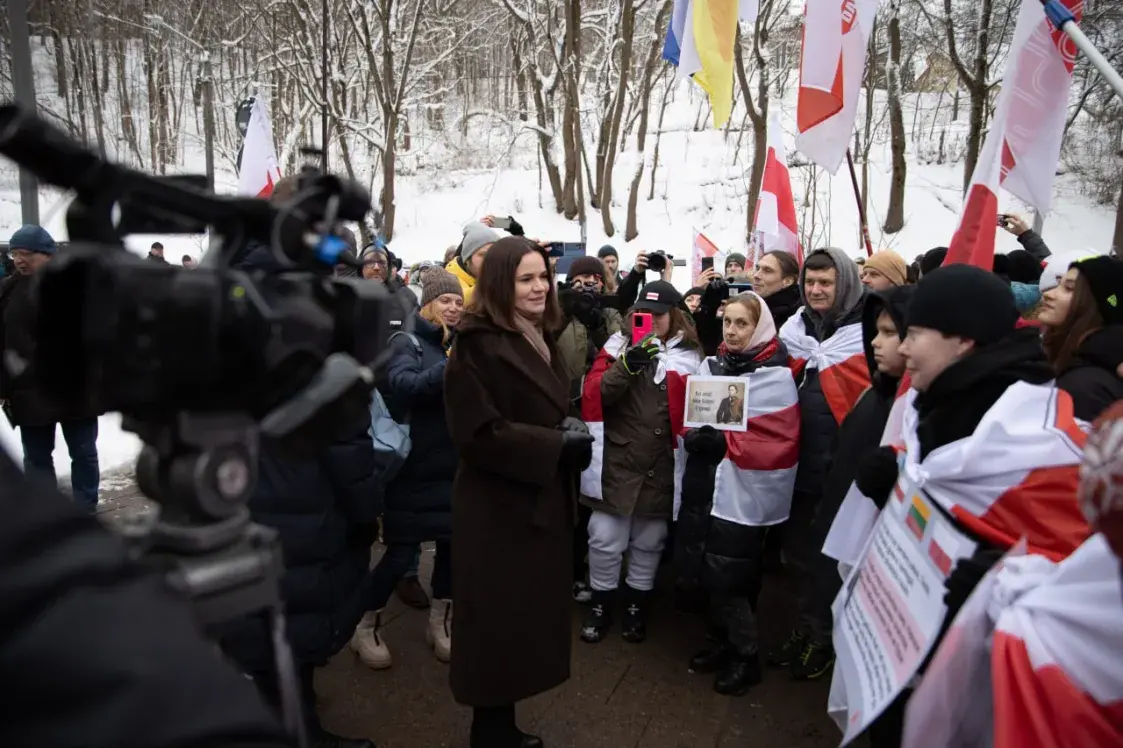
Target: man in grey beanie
[
  {"x": 477, "y": 240},
  {"x": 29, "y": 408}
]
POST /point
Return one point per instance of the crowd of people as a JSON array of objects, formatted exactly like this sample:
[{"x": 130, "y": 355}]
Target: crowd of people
[{"x": 549, "y": 461}]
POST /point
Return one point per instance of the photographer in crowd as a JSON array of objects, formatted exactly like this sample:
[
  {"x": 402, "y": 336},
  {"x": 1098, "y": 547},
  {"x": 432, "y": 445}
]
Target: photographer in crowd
[
  {"x": 37, "y": 415},
  {"x": 632, "y": 402},
  {"x": 587, "y": 326}
]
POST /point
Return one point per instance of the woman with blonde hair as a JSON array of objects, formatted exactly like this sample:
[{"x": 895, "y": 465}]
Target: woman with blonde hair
[{"x": 418, "y": 500}]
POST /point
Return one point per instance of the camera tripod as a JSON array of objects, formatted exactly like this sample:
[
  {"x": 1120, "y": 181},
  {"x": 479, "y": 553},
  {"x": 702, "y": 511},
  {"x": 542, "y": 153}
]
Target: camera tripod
[{"x": 200, "y": 469}]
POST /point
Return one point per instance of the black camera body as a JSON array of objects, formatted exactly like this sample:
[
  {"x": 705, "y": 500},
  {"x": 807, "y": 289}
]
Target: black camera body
[{"x": 657, "y": 261}]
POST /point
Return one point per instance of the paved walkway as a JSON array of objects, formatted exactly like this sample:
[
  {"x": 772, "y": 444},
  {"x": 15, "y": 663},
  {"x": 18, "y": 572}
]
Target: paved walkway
[{"x": 620, "y": 695}]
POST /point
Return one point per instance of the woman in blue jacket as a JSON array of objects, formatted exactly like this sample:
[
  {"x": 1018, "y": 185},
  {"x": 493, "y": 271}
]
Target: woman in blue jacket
[{"x": 418, "y": 501}]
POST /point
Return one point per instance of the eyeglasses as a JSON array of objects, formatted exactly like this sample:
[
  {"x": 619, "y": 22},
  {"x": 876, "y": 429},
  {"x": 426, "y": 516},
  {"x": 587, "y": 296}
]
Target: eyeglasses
[{"x": 375, "y": 263}]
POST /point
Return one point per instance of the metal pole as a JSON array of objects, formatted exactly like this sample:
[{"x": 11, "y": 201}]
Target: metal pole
[
  {"x": 1063, "y": 19},
  {"x": 858, "y": 200},
  {"x": 23, "y": 80},
  {"x": 324, "y": 82},
  {"x": 208, "y": 117}
]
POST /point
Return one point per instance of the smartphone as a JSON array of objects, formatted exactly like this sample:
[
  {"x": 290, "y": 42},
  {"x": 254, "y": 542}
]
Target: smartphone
[
  {"x": 707, "y": 264},
  {"x": 1002, "y": 219},
  {"x": 642, "y": 325},
  {"x": 566, "y": 252},
  {"x": 501, "y": 223}
]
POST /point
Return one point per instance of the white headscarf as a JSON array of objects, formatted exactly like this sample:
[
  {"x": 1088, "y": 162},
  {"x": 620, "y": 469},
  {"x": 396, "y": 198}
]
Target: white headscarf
[{"x": 765, "y": 324}]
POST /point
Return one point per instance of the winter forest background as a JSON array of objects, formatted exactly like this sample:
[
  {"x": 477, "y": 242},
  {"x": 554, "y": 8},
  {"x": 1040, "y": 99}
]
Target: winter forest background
[{"x": 562, "y": 113}]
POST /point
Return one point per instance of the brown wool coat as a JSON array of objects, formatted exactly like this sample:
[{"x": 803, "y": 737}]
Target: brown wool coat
[{"x": 512, "y": 518}]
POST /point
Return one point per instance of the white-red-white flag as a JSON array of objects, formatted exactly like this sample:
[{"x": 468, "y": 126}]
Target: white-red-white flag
[
  {"x": 259, "y": 170},
  {"x": 1024, "y": 142},
  {"x": 775, "y": 217},
  {"x": 836, "y": 34},
  {"x": 703, "y": 247}
]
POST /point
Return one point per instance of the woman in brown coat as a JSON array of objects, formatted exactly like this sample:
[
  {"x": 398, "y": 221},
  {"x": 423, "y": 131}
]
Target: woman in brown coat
[{"x": 507, "y": 401}]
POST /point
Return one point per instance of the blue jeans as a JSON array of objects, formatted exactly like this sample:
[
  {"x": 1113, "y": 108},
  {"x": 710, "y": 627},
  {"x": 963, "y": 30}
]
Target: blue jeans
[
  {"x": 81, "y": 440},
  {"x": 394, "y": 564}
]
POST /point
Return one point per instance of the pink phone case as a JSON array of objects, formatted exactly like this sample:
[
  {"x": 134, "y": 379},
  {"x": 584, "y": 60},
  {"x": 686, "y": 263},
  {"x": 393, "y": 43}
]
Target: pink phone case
[{"x": 641, "y": 326}]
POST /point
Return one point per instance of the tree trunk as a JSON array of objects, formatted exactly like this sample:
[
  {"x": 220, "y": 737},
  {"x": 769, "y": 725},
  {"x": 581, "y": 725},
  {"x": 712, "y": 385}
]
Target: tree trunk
[
  {"x": 658, "y": 138},
  {"x": 628, "y": 27},
  {"x": 571, "y": 119},
  {"x": 57, "y": 20},
  {"x": 544, "y": 132},
  {"x": 895, "y": 215},
  {"x": 758, "y": 115},
  {"x": 1117, "y": 237},
  {"x": 389, "y": 157}
]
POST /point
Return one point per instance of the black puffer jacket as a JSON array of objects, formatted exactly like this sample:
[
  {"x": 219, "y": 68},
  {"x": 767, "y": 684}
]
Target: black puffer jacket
[
  {"x": 1091, "y": 377},
  {"x": 714, "y": 553},
  {"x": 324, "y": 510},
  {"x": 418, "y": 504},
  {"x": 818, "y": 426}
]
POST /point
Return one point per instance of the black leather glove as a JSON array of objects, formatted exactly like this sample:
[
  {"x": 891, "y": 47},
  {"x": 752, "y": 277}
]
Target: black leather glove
[
  {"x": 642, "y": 355},
  {"x": 707, "y": 443},
  {"x": 877, "y": 474},
  {"x": 965, "y": 577},
  {"x": 577, "y": 450},
  {"x": 587, "y": 311},
  {"x": 516, "y": 228}
]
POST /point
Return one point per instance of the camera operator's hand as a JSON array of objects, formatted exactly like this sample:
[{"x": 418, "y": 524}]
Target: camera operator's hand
[
  {"x": 1016, "y": 224},
  {"x": 641, "y": 263},
  {"x": 668, "y": 269},
  {"x": 707, "y": 276},
  {"x": 641, "y": 355}
]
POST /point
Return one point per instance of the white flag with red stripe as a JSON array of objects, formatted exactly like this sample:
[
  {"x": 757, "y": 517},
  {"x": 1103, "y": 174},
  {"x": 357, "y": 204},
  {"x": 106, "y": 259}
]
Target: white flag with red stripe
[
  {"x": 775, "y": 217},
  {"x": 259, "y": 172},
  {"x": 1015, "y": 476},
  {"x": 1050, "y": 635},
  {"x": 753, "y": 484},
  {"x": 702, "y": 248},
  {"x": 1024, "y": 143},
  {"x": 844, "y": 373},
  {"x": 836, "y": 34}
]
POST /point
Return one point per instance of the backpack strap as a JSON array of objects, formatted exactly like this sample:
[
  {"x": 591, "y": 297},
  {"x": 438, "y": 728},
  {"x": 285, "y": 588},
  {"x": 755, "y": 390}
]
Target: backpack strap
[{"x": 420, "y": 357}]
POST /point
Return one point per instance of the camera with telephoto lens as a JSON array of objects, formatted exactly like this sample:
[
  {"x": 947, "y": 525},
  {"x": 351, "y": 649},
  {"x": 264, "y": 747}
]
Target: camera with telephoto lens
[
  {"x": 203, "y": 364},
  {"x": 657, "y": 260}
]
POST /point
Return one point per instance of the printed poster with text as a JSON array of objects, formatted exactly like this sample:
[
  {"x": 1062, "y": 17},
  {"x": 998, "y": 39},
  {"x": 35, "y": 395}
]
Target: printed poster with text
[{"x": 887, "y": 615}]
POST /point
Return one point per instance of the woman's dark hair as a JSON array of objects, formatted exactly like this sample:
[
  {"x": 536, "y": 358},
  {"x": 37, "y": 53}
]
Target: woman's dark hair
[
  {"x": 1084, "y": 318},
  {"x": 820, "y": 261},
  {"x": 494, "y": 295},
  {"x": 681, "y": 322},
  {"x": 789, "y": 266}
]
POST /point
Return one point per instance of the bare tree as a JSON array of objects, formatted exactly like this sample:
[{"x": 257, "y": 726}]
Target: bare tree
[{"x": 895, "y": 215}]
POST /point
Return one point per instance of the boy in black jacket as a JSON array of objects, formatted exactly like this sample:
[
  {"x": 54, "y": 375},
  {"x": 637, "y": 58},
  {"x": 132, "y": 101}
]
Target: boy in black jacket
[{"x": 883, "y": 329}]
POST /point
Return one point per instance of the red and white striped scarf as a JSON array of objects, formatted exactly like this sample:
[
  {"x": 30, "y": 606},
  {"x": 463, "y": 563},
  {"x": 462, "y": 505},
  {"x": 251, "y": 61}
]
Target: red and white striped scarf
[
  {"x": 673, "y": 364},
  {"x": 844, "y": 373}
]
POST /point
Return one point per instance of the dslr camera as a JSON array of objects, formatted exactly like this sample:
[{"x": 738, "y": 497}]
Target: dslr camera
[{"x": 657, "y": 260}]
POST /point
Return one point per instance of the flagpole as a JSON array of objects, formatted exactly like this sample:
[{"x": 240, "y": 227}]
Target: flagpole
[
  {"x": 858, "y": 200},
  {"x": 1064, "y": 20}
]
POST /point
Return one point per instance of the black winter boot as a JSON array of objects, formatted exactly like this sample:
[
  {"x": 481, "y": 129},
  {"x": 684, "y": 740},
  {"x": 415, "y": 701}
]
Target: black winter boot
[
  {"x": 713, "y": 658},
  {"x": 741, "y": 674},
  {"x": 634, "y": 628},
  {"x": 599, "y": 618}
]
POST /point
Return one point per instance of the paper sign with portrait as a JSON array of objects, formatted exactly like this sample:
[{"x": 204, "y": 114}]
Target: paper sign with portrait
[{"x": 719, "y": 402}]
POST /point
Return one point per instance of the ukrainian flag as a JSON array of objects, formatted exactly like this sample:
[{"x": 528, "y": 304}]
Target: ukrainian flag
[{"x": 700, "y": 43}]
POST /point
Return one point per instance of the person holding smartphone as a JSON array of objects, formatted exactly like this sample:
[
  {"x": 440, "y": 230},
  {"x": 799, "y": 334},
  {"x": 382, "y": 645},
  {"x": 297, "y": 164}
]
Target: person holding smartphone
[{"x": 633, "y": 401}]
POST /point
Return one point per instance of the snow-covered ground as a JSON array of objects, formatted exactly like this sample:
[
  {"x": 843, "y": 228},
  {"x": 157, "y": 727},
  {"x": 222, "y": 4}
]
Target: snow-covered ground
[{"x": 701, "y": 184}]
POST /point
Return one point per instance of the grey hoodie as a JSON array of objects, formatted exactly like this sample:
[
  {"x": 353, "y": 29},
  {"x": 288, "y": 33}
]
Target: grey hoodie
[{"x": 849, "y": 293}]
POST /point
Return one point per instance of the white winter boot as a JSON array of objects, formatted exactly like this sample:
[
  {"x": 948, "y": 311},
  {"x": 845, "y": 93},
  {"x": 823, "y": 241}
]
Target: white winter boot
[
  {"x": 368, "y": 644},
  {"x": 438, "y": 634}
]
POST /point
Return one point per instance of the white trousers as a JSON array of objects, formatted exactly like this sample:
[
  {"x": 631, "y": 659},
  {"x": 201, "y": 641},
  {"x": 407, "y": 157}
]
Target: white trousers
[{"x": 610, "y": 536}]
